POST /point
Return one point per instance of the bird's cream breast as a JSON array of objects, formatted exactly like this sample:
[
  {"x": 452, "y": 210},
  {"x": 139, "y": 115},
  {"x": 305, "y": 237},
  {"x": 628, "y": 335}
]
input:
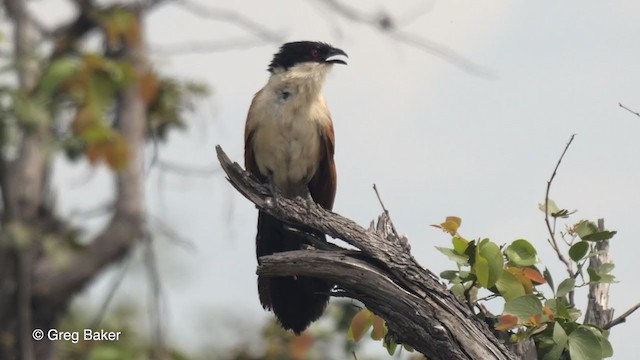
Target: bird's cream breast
[{"x": 293, "y": 157}]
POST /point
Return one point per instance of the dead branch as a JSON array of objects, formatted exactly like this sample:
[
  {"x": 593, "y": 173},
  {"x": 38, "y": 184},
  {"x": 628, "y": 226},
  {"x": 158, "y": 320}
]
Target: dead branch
[
  {"x": 232, "y": 17},
  {"x": 58, "y": 282},
  {"x": 622, "y": 318},
  {"x": 388, "y": 25},
  {"x": 629, "y": 110},
  {"x": 552, "y": 237},
  {"x": 598, "y": 311},
  {"x": 383, "y": 275},
  {"x": 206, "y": 46}
]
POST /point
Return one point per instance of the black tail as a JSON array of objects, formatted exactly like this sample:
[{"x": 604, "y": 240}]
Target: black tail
[{"x": 295, "y": 301}]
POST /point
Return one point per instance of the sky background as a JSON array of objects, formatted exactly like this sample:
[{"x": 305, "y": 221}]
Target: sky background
[{"x": 435, "y": 138}]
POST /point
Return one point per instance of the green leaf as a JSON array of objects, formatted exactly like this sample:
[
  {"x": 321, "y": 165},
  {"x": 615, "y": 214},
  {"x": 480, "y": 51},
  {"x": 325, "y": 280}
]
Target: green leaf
[
  {"x": 549, "y": 279},
  {"x": 599, "y": 236},
  {"x": 29, "y": 110},
  {"x": 601, "y": 275},
  {"x": 551, "y": 207},
  {"x": 565, "y": 287},
  {"x": 489, "y": 263},
  {"x": 391, "y": 345},
  {"x": 585, "y": 228},
  {"x": 449, "y": 275},
  {"x": 584, "y": 345},
  {"x": 605, "y": 345},
  {"x": 509, "y": 286},
  {"x": 459, "y": 244},
  {"x": 453, "y": 256},
  {"x": 578, "y": 250},
  {"x": 59, "y": 71},
  {"x": 606, "y": 268},
  {"x": 559, "y": 343},
  {"x": 524, "y": 307},
  {"x": 521, "y": 253},
  {"x": 458, "y": 290}
]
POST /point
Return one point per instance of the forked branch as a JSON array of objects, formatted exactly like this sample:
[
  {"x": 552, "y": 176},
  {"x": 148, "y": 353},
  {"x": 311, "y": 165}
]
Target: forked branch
[{"x": 382, "y": 274}]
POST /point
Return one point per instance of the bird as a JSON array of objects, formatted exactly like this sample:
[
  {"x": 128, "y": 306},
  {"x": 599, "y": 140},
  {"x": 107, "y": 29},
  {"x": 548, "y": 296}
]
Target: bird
[{"x": 289, "y": 144}]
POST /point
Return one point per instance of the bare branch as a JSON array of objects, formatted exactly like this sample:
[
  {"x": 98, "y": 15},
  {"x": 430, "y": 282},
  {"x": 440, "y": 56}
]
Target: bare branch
[
  {"x": 156, "y": 223},
  {"x": 23, "y": 182},
  {"x": 395, "y": 232},
  {"x": 156, "y": 299},
  {"x": 622, "y": 318},
  {"x": 206, "y": 47},
  {"x": 383, "y": 275},
  {"x": 57, "y": 282},
  {"x": 388, "y": 25},
  {"x": 233, "y": 17},
  {"x": 598, "y": 311},
  {"x": 629, "y": 110},
  {"x": 552, "y": 240},
  {"x": 115, "y": 284}
]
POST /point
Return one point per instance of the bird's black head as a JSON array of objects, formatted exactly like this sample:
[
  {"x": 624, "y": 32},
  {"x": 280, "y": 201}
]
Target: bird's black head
[{"x": 298, "y": 52}]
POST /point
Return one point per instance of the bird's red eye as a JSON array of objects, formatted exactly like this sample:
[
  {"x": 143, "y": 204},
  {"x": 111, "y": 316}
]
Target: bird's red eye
[{"x": 315, "y": 53}]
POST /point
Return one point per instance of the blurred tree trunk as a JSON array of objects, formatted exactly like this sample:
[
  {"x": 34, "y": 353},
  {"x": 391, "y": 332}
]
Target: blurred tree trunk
[{"x": 35, "y": 286}]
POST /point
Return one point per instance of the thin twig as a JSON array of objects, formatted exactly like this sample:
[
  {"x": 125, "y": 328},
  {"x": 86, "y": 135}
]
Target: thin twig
[
  {"x": 156, "y": 223},
  {"x": 388, "y": 25},
  {"x": 629, "y": 110},
  {"x": 486, "y": 298},
  {"x": 206, "y": 47},
  {"x": 552, "y": 241},
  {"x": 115, "y": 284},
  {"x": 156, "y": 299},
  {"x": 622, "y": 318},
  {"x": 221, "y": 14},
  {"x": 393, "y": 227}
]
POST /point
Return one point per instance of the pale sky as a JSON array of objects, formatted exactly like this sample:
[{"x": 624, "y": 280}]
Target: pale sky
[{"x": 436, "y": 140}]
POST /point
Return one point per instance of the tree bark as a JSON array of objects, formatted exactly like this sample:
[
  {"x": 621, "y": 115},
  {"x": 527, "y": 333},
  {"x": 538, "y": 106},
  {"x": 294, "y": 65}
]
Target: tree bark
[
  {"x": 383, "y": 274},
  {"x": 598, "y": 311},
  {"x": 35, "y": 288}
]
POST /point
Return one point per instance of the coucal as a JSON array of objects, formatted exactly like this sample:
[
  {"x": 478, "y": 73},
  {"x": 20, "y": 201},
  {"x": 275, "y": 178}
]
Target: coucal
[{"x": 289, "y": 143}]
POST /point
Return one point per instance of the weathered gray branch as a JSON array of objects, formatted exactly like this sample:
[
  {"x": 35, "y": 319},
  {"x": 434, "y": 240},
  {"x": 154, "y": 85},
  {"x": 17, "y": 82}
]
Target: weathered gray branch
[
  {"x": 622, "y": 318},
  {"x": 598, "y": 311},
  {"x": 383, "y": 275},
  {"x": 57, "y": 282},
  {"x": 23, "y": 194}
]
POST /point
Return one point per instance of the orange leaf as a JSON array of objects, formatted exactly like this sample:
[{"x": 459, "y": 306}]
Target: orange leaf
[
  {"x": 117, "y": 153},
  {"x": 547, "y": 310},
  {"x": 95, "y": 152},
  {"x": 524, "y": 280},
  {"x": 378, "y": 327},
  {"x": 506, "y": 322},
  {"x": 300, "y": 345},
  {"x": 360, "y": 324},
  {"x": 132, "y": 34},
  {"x": 148, "y": 86},
  {"x": 450, "y": 225},
  {"x": 535, "y": 319},
  {"x": 534, "y": 275}
]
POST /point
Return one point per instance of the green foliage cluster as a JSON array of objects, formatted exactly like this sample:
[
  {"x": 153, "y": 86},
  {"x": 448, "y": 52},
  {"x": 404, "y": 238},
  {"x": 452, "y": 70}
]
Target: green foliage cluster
[
  {"x": 485, "y": 271},
  {"x": 510, "y": 273},
  {"x": 76, "y": 96}
]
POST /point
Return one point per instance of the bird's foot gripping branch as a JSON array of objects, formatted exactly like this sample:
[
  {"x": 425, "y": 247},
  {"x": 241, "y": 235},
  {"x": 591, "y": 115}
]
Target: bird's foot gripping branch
[{"x": 419, "y": 310}]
